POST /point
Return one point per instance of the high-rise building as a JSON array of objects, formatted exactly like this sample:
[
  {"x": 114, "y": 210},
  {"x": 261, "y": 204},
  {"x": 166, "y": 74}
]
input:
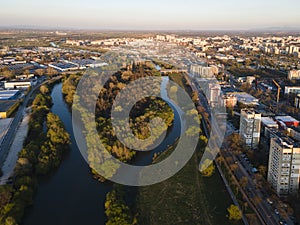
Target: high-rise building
[
  {"x": 203, "y": 71},
  {"x": 250, "y": 123},
  {"x": 214, "y": 94},
  {"x": 284, "y": 165}
]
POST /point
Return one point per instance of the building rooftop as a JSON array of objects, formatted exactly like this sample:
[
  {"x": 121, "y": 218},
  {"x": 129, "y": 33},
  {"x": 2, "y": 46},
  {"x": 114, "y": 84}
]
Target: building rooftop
[
  {"x": 268, "y": 121},
  {"x": 245, "y": 98},
  {"x": 286, "y": 119},
  {"x": 6, "y": 105},
  {"x": 9, "y": 94}
]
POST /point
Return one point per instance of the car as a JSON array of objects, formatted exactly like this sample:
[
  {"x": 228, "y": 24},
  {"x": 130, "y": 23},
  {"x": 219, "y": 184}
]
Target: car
[
  {"x": 283, "y": 222},
  {"x": 269, "y": 201},
  {"x": 276, "y": 211}
]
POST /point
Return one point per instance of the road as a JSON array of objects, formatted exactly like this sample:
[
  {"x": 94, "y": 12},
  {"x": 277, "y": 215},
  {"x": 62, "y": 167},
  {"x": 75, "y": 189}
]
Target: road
[
  {"x": 9, "y": 137},
  {"x": 263, "y": 208}
]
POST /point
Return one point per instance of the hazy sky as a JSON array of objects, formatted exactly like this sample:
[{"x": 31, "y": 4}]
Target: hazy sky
[{"x": 155, "y": 14}]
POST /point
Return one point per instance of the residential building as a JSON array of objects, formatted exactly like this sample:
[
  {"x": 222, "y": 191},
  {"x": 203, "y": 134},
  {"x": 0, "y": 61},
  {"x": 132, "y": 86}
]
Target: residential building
[
  {"x": 294, "y": 75},
  {"x": 250, "y": 123},
  {"x": 203, "y": 71},
  {"x": 287, "y": 121},
  {"x": 267, "y": 122},
  {"x": 214, "y": 94},
  {"x": 292, "y": 90},
  {"x": 284, "y": 165},
  {"x": 294, "y": 132},
  {"x": 228, "y": 100},
  {"x": 297, "y": 101}
]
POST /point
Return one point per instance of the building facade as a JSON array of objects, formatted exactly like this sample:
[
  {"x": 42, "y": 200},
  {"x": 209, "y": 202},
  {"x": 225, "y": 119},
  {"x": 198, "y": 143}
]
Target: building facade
[
  {"x": 292, "y": 90},
  {"x": 284, "y": 165},
  {"x": 294, "y": 75},
  {"x": 250, "y": 123},
  {"x": 297, "y": 101}
]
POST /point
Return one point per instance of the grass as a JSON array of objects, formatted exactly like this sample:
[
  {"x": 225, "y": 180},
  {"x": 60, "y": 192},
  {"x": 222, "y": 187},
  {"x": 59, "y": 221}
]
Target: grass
[{"x": 186, "y": 198}]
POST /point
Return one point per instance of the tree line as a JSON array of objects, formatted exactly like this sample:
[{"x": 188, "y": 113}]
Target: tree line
[
  {"x": 140, "y": 115},
  {"x": 43, "y": 148}
]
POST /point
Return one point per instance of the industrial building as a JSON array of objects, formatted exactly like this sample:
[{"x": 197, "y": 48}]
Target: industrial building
[
  {"x": 284, "y": 165},
  {"x": 7, "y": 108},
  {"x": 245, "y": 98},
  {"x": 9, "y": 94},
  {"x": 250, "y": 123},
  {"x": 21, "y": 84}
]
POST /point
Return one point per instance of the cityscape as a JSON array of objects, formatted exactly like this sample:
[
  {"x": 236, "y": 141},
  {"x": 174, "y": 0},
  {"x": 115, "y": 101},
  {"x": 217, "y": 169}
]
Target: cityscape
[{"x": 145, "y": 125}]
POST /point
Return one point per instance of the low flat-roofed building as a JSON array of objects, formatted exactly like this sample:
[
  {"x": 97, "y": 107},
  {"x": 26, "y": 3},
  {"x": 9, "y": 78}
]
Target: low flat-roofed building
[
  {"x": 268, "y": 122},
  {"x": 292, "y": 90},
  {"x": 294, "y": 132},
  {"x": 9, "y": 94},
  {"x": 7, "y": 108},
  {"x": 64, "y": 66},
  {"x": 287, "y": 120},
  {"x": 245, "y": 98},
  {"x": 20, "y": 84}
]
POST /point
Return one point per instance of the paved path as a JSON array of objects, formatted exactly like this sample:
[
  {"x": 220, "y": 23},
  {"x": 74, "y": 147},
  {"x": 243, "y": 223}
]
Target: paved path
[{"x": 16, "y": 147}]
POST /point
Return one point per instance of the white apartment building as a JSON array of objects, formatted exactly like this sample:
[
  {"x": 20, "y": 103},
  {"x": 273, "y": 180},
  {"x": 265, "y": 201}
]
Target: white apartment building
[
  {"x": 284, "y": 165},
  {"x": 291, "y": 90},
  {"x": 250, "y": 123},
  {"x": 202, "y": 71}
]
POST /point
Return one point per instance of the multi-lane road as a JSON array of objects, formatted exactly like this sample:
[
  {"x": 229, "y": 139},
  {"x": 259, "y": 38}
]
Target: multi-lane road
[
  {"x": 9, "y": 137},
  {"x": 263, "y": 208}
]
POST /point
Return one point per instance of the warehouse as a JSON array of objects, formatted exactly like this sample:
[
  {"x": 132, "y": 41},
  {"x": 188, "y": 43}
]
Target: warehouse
[
  {"x": 7, "y": 108},
  {"x": 9, "y": 94}
]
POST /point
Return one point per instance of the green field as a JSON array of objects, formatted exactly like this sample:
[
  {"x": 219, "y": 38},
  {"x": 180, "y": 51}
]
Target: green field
[{"x": 186, "y": 198}]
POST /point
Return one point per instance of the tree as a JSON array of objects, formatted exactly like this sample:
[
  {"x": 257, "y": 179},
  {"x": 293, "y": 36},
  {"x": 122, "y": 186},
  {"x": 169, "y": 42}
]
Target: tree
[
  {"x": 40, "y": 72},
  {"x": 263, "y": 170},
  {"x": 44, "y": 89},
  {"x": 5, "y": 195},
  {"x": 244, "y": 182},
  {"x": 234, "y": 212},
  {"x": 7, "y": 74},
  {"x": 207, "y": 168},
  {"x": 26, "y": 72},
  {"x": 51, "y": 72},
  {"x": 10, "y": 221}
]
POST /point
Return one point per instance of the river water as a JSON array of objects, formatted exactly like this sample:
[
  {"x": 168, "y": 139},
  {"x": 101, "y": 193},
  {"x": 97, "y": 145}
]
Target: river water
[{"x": 70, "y": 195}]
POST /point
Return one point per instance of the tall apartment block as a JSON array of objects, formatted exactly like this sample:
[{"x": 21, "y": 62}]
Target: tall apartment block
[
  {"x": 284, "y": 165},
  {"x": 250, "y": 123}
]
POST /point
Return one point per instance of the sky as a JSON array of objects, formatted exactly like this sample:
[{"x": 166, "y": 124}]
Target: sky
[{"x": 151, "y": 15}]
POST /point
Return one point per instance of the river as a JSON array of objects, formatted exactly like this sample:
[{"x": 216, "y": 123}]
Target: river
[{"x": 70, "y": 195}]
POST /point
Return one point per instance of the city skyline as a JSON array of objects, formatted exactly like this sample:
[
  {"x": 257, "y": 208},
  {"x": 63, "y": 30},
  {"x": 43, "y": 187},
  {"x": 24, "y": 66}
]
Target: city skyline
[{"x": 142, "y": 15}]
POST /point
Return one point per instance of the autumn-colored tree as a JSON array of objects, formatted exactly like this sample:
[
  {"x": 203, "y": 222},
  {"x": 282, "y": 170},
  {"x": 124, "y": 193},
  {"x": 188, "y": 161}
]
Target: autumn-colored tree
[{"x": 234, "y": 212}]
